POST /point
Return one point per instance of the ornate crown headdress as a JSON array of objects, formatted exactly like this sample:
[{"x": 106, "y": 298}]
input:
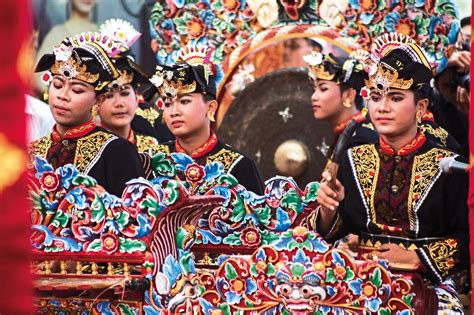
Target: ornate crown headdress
[
  {"x": 125, "y": 77},
  {"x": 169, "y": 85},
  {"x": 67, "y": 63},
  {"x": 383, "y": 76},
  {"x": 317, "y": 69}
]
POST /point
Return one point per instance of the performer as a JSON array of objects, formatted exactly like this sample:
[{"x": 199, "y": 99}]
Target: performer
[
  {"x": 78, "y": 74},
  {"x": 393, "y": 192},
  {"x": 121, "y": 95},
  {"x": 189, "y": 92},
  {"x": 336, "y": 82}
]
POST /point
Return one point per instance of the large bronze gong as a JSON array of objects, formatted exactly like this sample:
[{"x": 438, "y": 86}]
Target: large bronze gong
[{"x": 271, "y": 121}]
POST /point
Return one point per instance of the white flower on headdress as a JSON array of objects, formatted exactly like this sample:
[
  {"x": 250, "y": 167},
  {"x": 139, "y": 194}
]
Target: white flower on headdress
[
  {"x": 46, "y": 77},
  {"x": 365, "y": 93},
  {"x": 332, "y": 11},
  {"x": 370, "y": 67},
  {"x": 62, "y": 52},
  {"x": 314, "y": 59},
  {"x": 157, "y": 79},
  {"x": 265, "y": 10}
]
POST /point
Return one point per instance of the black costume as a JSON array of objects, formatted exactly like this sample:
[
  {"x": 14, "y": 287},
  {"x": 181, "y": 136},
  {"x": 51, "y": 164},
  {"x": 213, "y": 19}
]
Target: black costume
[
  {"x": 111, "y": 160},
  {"x": 404, "y": 198},
  {"x": 235, "y": 163},
  {"x": 148, "y": 121}
]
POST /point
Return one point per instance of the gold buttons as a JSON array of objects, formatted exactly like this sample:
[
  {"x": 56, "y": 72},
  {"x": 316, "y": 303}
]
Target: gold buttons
[{"x": 395, "y": 188}]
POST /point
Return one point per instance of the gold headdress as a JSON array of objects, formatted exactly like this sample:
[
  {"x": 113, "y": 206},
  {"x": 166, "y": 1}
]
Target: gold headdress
[{"x": 317, "y": 66}]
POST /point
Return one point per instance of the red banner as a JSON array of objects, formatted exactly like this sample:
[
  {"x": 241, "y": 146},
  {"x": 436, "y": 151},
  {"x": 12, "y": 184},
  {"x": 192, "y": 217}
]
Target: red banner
[
  {"x": 471, "y": 178},
  {"x": 15, "y": 280}
]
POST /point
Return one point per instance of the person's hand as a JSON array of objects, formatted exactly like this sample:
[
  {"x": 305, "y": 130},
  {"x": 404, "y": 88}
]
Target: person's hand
[
  {"x": 462, "y": 100},
  {"x": 396, "y": 254},
  {"x": 328, "y": 197},
  {"x": 461, "y": 60}
]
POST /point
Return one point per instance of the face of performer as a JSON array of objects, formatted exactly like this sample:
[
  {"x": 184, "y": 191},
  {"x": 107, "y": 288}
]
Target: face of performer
[
  {"x": 118, "y": 108},
  {"x": 71, "y": 101},
  {"x": 187, "y": 115},
  {"x": 327, "y": 100},
  {"x": 394, "y": 113},
  {"x": 83, "y": 6}
]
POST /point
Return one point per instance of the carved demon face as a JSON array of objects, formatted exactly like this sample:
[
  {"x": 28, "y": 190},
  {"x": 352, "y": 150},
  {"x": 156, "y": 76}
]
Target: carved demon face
[{"x": 299, "y": 289}]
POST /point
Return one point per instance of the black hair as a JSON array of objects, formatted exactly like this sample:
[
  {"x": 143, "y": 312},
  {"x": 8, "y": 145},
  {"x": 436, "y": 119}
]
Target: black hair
[
  {"x": 208, "y": 97},
  {"x": 358, "y": 100},
  {"x": 465, "y": 21},
  {"x": 419, "y": 95}
]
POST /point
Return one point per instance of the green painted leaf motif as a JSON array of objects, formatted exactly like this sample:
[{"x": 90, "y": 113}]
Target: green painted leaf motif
[
  {"x": 186, "y": 261},
  {"x": 156, "y": 13},
  {"x": 446, "y": 7},
  {"x": 248, "y": 303},
  {"x": 122, "y": 219},
  {"x": 181, "y": 236},
  {"x": 421, "y": 24},
  {"x": 349, "y": 274},
  {"x": 269, "y": 237},
  {"x": 230, "y": 272},
  {"x": 384, "y": 311},
  {"x": 95, "y": 245},
  {"x": 270, "y": 270},
  {"x": 219, "y": 25},
  {"x": 216, "y": 5},
  {"x": 330, "y": 275},
  {"x": 356, "y": 303},
  {"x": 126, "y": 309},
  {"x": 225, "y": 308},
  {"x": 408, "y": 299},
  {"x": 263, "y": 214},
  {"x": 97, "y": 210},
  {"x": 311, "y": 192},
  {"x": 297, "y": 269},
  {"x": 172, "y": 192},
  {"x": 238, "y": 212},
  {"x": 181, "y": 22},
  {"x": 380, "y": 5},
  {"x": 376, "y": 278},
  {"x": 253, "y": 270},
  {"x": 232, "y": 239},
  {"x": 228, "y": 179},
  {"x": 285, "y": 312},
  {"x": 162, "y": 166},
  {"x": 60, "y": 219},
  {"x": 84, "y": 180},
  {"x": 294, "y": 244},
  {"x": 291, "y": 200},
  {"x": 151, "y": 205},
  {"x": 131, "y": 246}
]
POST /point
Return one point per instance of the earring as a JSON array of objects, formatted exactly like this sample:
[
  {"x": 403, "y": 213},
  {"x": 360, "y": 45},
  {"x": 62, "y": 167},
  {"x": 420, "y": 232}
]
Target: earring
[
  {"x": 95, "y": 110},
  {"x": 210, "y": 115},
  {"x": 45, "y": 95},
  {"x": 347, "y": 103},
  {"x": 418, "y": 117}
]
